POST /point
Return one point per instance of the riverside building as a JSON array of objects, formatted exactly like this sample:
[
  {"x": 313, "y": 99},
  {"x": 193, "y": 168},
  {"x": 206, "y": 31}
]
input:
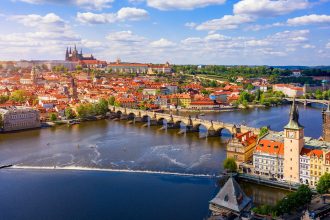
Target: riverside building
[
  {"x": 19, "y": 118},
  {"x": 290, "y": 156}
]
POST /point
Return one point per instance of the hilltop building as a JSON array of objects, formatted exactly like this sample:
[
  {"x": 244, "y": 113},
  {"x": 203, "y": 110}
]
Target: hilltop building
[
  {"x": 74, "y": 56},
  {"x": 123, "y": 67}
]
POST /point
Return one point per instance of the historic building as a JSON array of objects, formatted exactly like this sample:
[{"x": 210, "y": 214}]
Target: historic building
[
  {"x": 316, "y": 165},
  {"x": 230, "y": 201},
  {"x": 326, "y": 124},
  {"x": 241, "y": 147},
  {"x": 290, "y": 156},
  {"x": 293, "y": 144},
  {"x": 75, "y": 56},
  {"x": 268, "y": 157},
  {"x": 305, "y": 166},
  {"x": 19, "y": 118},
  {"x": 34, "y": 78}
]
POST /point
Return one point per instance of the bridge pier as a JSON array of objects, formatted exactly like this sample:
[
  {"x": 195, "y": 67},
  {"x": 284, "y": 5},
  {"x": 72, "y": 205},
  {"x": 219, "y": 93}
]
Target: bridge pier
[
  {"x": 153, "y": 122},
  {"x": 213, "y": 133},
  {"x": 123, "y": 117},
  {"x": 137, "y": 119},
  {"x": 113, "y": 115},
  {"x": 190, "y": 129},
  {"x": 171, "y": 125}
]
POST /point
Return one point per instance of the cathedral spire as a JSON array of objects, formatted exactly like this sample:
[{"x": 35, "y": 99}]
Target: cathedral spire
[{"x": 294, "y": 117}]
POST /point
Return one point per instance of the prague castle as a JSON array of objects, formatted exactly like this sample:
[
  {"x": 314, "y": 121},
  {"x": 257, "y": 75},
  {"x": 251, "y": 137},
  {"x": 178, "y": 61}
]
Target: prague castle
[{"x": 74, "y": 56}]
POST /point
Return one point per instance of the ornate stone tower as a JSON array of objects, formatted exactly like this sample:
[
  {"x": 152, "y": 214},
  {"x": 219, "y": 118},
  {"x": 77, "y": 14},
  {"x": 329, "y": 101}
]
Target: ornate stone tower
[
  {"x": 293, "y": 143},
  {"x": 34, "y": 75},
  {"x": 326, "y": 124}
]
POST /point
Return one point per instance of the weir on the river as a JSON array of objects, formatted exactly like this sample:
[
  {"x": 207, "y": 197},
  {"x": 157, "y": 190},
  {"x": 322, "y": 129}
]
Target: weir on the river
[{"x": 192, "y": 124}]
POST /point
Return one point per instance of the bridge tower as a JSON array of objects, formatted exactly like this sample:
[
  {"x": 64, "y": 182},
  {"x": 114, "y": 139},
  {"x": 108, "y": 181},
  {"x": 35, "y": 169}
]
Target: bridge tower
[{"x": 326, "y": 124}]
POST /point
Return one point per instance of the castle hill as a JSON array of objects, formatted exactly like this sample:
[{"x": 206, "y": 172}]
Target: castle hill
[{"x": 165, "y": 110}]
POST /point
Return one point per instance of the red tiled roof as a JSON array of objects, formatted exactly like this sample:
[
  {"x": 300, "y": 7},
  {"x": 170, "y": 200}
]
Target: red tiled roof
[{"x": 270, "y": 147}]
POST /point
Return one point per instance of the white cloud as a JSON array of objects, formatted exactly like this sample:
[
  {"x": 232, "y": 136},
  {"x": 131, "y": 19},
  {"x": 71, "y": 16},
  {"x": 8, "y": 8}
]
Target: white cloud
[
  {"x": 309, "y": 20},
  {"x": 124, "y": 14},
  {"x": 268, "y": 8},
  {"x": 190, "y": 25},
  {"x": 328, "y": 45},
  {"x": 162, "y": 43},
  {"x": 49, "y": 21},
  {"x": 91, "y": 4},
  {"x": 124, "y": 37},
  {"x": 226, "y": 22},
  {"x": 182, "y": 4},
  {"x": 46, "y": 33},
  {"x": 308, "y": 46}
]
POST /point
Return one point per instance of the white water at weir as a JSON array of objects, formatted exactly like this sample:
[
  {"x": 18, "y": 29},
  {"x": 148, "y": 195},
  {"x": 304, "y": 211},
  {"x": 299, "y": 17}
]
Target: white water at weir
[
  {"x": 161, "y": 159},
  {"x": 75, "y": 168}
]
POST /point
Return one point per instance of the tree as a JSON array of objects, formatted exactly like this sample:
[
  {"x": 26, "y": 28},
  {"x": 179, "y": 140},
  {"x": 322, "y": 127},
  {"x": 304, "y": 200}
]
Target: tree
[
  {"x": 263, "y": 131},
  {"x": 78, "y": 67},
  {"x": 101, "y": 107},
  {"x": 323, "y": 184},
  {"x": 111, "y": 100},
  {"x": 19, "y": 96},
  {"x": 53, "y": 117},
  {"x": 82, "y": 111},
  {"x": 69, "y": 114},
  {"x": 230, "y": 165},
  {"x": 3, "y": 98},
  {"x": 1, "y": 121}
]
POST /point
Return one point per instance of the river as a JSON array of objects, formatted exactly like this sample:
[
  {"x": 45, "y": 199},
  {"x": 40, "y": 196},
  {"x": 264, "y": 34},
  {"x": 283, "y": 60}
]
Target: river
[{"x": 115, "y": 170}]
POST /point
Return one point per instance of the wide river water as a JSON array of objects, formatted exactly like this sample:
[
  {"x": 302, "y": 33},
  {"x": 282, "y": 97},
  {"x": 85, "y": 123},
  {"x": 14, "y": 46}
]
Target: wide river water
[{"x": 114, "y": 170}]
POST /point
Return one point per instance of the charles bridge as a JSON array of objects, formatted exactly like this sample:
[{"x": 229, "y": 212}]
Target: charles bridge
[{"x": 170, "y": 121}]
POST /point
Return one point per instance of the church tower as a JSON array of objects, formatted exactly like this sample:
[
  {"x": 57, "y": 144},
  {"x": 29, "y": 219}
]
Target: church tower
[
  {"x": 326, "y": 124},
  {"x": 34, "y": 75},
  {"x": 293, "y": 143}
]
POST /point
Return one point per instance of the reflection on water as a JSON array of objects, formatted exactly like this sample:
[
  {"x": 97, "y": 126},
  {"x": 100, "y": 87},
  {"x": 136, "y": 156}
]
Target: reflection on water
[{"x": 262, "y": 194}]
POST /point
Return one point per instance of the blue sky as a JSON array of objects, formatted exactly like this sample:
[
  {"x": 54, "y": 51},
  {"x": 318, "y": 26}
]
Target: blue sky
[{"x": 241, "y": 32}]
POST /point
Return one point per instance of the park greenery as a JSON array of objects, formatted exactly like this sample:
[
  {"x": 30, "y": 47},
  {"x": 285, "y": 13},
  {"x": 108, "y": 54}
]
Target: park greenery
[
  {"x": 3, "y": 98},
  {"x": 288, "y": 204},
  {"x": 19, "y": 96},
  {"x": 53, "y": 117},
  {"x": 69, "y": 113},
  {"x": 274, "y": 74},
  {"x": 230, "y": 165},
  {"x": 258, "y": 97},
  {"x": 318, "y": 94},
  {"x": 86, "y": 110},
  {"x": 323, "y": 185}
]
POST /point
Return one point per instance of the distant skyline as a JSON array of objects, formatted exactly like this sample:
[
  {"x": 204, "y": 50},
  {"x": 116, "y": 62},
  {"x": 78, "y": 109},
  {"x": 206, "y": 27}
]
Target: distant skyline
[{"x": 245, "y": 32}]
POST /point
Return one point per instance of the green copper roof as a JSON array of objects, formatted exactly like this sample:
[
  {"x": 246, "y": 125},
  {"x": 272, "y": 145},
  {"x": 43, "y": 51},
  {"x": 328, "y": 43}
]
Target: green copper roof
[{"x": 294, "y": 117}]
